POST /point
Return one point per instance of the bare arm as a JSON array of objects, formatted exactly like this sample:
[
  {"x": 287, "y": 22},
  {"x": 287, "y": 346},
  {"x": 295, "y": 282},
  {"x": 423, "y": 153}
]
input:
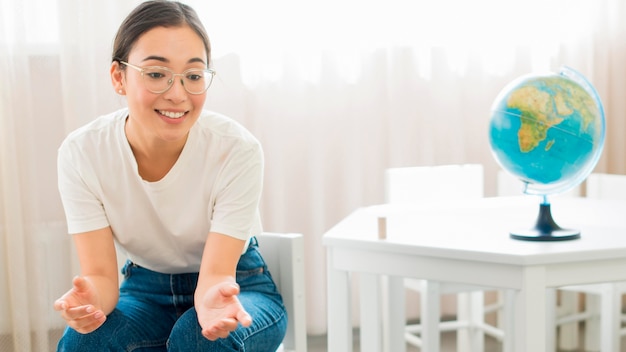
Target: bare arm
[
  {"x": 95, "y": 292},
  {"x": 219, "y": 310}
]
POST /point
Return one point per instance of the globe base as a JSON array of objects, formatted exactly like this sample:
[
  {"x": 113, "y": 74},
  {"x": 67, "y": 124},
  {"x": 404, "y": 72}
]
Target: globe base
[{"x": 546, "y": 229}]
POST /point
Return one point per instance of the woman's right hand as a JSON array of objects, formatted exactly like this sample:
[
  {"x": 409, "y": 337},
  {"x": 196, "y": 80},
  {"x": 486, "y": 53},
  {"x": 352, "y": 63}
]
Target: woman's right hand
[{"x": 79, "y": 306}]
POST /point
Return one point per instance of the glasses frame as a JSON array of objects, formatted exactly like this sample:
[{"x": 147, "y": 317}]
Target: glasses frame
[{"x": 170, "y": 82}]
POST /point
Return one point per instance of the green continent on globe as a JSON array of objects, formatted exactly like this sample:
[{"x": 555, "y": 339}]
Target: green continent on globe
[{"x": 546, "y": 103}]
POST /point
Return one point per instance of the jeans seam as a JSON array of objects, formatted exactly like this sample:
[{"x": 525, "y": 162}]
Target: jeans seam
[
  {"x": 267, "y": 326},
  {"x": 145, "y": 344}
]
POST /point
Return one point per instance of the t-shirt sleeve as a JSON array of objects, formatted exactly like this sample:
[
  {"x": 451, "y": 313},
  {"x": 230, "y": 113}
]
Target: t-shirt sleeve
[
  {"x": 235, "y": 212},
  {"x": 79, "y": 191}
]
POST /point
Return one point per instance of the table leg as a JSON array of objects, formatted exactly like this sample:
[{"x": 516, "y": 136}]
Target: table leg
[
  {"x": 530, "y": 312},
  {"x": 371, "y": 319},
  {"x": 339, "y": 312}
]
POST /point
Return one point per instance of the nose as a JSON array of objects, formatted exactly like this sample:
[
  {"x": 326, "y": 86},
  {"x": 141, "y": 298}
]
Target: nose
[{"x": 176, "y": 92}]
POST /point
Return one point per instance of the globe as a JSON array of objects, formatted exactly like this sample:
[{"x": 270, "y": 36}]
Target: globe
[{"x": 548, "y": 131}]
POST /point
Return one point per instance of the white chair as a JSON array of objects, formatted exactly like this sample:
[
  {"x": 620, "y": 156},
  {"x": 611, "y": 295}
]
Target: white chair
[
  {"x": 284, "y": 256},
  {"x": 445, "y": 182},
  {"x": 603, "y": 302},
  {"x": 606, "y": 186}
]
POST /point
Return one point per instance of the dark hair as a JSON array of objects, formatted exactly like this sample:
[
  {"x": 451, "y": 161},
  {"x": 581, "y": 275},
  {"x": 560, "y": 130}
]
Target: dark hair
[{"x": 156, "y": 13}]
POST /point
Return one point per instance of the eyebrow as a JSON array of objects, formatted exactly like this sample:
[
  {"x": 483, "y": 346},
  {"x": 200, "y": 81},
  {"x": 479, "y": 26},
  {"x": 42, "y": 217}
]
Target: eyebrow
[{"x": 164, "y": 60}]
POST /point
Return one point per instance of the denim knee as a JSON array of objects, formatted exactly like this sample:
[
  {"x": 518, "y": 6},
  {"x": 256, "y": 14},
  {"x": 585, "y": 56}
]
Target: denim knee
[
  {"x": 187, "y": 336},
  {"x": 99, "y": 340},
  {"x": 119, "y": 333}
]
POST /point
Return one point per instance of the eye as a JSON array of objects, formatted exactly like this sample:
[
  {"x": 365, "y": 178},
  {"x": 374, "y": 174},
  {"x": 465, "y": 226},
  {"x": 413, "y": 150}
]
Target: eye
[
  {"x": 195, "y": 76},
  {"x": 154, "y": 74}
]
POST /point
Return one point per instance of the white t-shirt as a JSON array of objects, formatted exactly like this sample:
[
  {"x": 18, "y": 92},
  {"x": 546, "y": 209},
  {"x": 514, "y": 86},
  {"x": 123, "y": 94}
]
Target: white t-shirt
[{"x": 215, "y": 185}]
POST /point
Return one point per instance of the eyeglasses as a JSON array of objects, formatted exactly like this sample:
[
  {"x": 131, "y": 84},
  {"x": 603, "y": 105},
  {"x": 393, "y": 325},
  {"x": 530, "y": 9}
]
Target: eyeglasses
[{"x": 158, "y": 79}]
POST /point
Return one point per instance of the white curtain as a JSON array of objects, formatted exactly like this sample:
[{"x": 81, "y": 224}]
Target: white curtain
[{"x": 336, "y": 91}]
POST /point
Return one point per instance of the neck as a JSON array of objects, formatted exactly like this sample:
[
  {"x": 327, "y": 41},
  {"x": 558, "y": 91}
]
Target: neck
[
  {"x": 151, "y": 146},
  {"x": 154, "y": 156}
]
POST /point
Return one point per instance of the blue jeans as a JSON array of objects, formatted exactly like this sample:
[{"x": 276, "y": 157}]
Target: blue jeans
[{"x": 155, "y": 312}]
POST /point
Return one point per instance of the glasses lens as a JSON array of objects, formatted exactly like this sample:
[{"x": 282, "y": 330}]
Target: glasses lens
[
  {"x": 157, "y": 79},
  {"x": 197, "y": 81}
]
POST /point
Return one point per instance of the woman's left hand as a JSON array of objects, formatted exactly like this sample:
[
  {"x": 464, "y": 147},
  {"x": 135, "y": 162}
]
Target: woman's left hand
[{"x": 219, "y": 310}]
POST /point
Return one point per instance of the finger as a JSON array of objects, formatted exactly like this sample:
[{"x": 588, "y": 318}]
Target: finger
[
  {"x": 80, "y": 284},
  {"x": 221, "y": 329},
  {"x": 215, "y": 333},
  {"x": 228, "y": 324},
  {"x": 210, "y": 335},
  {"x": 229, "y": 289},
  {"x": 244, "y": 318},
  {"x": 89, "y": 323},
  {"x": 60, "y": 304},
  {"x": 76, "y": 313}
]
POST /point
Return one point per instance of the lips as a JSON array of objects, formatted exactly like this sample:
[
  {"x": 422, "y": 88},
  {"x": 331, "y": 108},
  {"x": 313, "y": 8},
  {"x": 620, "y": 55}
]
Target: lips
[{"x": 172, "y": 114}]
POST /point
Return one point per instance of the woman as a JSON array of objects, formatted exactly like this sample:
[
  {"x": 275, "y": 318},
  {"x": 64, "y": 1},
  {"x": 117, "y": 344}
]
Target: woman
[{"x": 177, "y": 188}]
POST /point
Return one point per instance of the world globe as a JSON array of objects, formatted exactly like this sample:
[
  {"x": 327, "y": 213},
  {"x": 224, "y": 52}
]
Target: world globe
[{"x": 548, "y": 130}]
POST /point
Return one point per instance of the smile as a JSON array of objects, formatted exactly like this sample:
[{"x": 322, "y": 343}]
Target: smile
[{"x": 171, "y": 114}]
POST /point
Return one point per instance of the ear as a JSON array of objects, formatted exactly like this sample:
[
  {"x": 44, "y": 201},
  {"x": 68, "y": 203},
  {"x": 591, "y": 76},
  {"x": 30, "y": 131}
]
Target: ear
[{"x": 118, "y": 78}]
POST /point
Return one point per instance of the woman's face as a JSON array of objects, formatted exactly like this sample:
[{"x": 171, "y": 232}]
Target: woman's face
[{"x": 168, "y": 116}]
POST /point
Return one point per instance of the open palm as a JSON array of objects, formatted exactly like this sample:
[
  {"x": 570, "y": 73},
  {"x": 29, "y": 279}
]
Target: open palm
[{"x": 220, "y": 312}]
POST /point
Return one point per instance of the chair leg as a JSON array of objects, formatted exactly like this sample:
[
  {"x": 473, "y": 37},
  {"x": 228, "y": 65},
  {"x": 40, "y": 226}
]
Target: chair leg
[
  {"x": 610, "y": 307},
  {"x": 568, "y": 333},
  {"x": 471, "y": 310},
  {"x": 431, "y": 315},
  {"x": 499, "y": 312},
  {"x": 592, "y": 323},
  {"x": 463, "y": 314},
  {"x": 508, "y": 320},
  {"x": 551, "y": 307},
  {"x": 396, "y": 315},
  {"x": 477, "y": 321}
]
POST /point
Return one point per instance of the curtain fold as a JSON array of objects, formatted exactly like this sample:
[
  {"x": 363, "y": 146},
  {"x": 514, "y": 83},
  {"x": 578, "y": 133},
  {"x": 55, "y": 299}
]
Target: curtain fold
[
  {"x": 86, "y": 33},
  {"x": 21, "y": 327},
  {"x": 335, "y": 96}
]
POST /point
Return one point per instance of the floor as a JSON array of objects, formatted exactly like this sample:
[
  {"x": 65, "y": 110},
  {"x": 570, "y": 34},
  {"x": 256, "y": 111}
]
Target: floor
[{"x": 448, "y": 344}]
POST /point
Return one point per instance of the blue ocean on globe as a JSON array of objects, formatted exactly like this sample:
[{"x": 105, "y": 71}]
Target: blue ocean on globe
[{"x": 548, "y": 130}]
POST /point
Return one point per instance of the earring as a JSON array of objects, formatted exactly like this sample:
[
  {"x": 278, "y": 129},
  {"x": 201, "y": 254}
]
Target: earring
[{"x": 120, "y": 91}]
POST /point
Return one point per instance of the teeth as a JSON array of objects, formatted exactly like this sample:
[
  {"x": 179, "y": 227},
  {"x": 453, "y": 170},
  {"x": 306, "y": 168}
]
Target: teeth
[{"x": 172, "y": 115}]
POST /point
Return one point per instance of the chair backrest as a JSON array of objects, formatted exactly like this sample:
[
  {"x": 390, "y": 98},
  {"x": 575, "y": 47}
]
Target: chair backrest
[
  {"x": 509, "y": 185},
  {"x": 284, "y": 256},
  {"x": 606, "y": 186},
  {"x": 410, "y": 184}
]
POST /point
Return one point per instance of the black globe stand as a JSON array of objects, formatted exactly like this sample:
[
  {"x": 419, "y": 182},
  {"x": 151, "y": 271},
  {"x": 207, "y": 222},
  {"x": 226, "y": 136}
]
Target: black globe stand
[{"x": 546, "y": 229}]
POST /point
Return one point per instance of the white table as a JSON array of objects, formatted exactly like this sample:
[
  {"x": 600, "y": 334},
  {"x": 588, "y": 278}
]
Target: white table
[{"x": 467, "y": 242}]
